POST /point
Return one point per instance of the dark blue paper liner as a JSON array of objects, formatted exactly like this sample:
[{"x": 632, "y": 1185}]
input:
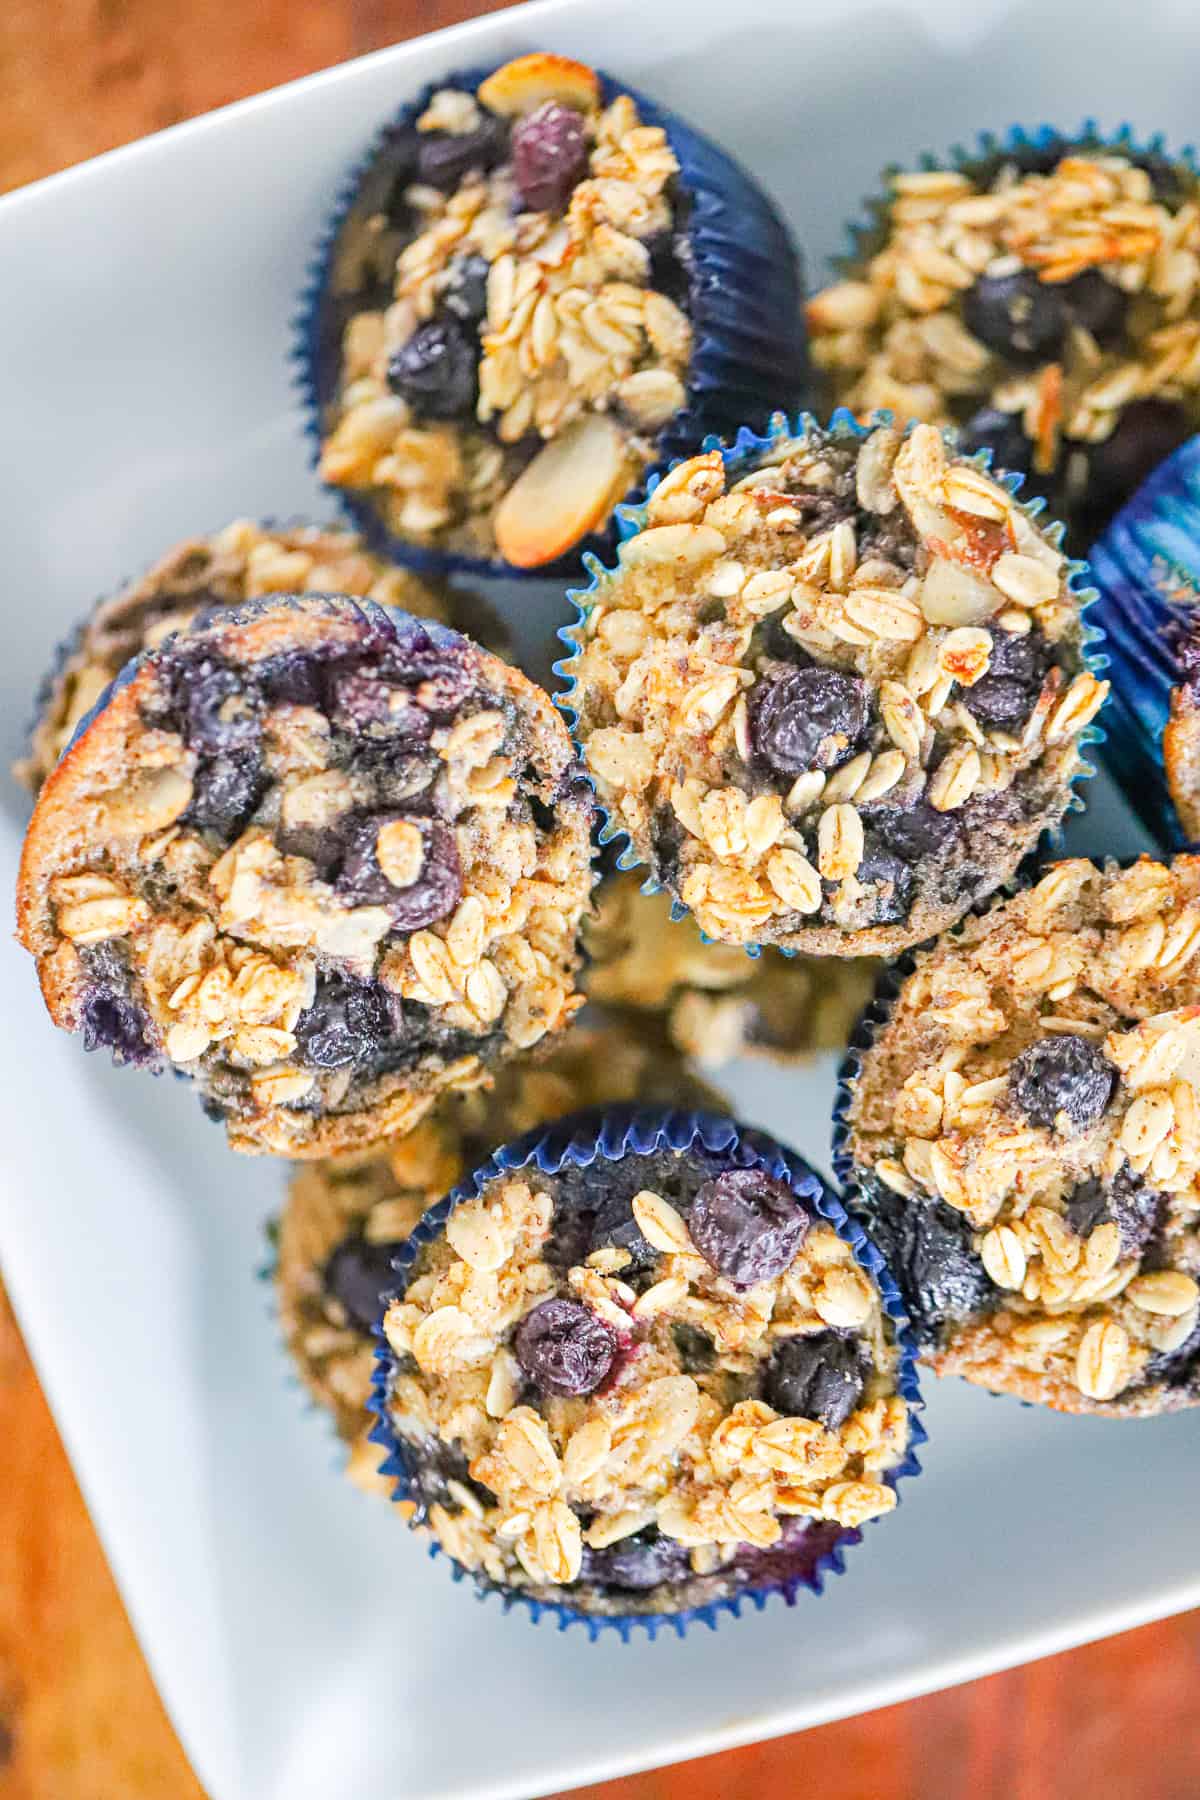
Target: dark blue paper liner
[
  {"x": 750, "y": 350},
  {"x": 486, "y": 626},
  {"x": 613, "y": 1133},
  {"x": 1147, "y": 568},
  {"x": 631, "y": 518}
]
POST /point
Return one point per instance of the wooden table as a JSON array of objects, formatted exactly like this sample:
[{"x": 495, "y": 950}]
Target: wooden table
[{"x": 79, "y": 1717}]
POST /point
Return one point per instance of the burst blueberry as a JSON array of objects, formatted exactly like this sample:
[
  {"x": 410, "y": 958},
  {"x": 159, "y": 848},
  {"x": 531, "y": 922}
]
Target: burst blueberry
[
  {"x": 436, "y": 371},
  {"x": 1018, "y": 315},
  {"x": 1062, "y": 1074},
  {"x": 808, "y": 719},
  {"x": 445, "y": 158},
  {"x": 348, "y": 1022},
  {"x": 550, "y": 156},
  {"x": 436, "y": 885},
  {"x": 818, "y": 1377}
]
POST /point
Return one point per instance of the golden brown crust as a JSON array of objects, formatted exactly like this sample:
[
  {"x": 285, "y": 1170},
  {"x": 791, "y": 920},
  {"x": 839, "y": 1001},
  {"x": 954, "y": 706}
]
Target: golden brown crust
[{"x": 109, "y": 811}]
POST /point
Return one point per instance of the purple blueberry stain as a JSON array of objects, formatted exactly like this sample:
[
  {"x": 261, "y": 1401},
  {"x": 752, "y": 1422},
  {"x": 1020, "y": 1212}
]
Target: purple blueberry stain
[
  {"x": 226, "y": 792},
  {"x": 564, "y": 1348},
  {"x": 348, "y": 1023},
  {"x": 747, "y": 1225}
]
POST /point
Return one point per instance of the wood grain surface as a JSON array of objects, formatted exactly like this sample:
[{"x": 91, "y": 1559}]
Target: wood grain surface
[{"x": 79, "y": 1716}]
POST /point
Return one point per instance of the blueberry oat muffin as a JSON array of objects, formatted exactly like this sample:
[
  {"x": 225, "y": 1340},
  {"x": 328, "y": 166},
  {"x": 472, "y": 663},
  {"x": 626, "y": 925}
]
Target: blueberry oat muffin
[
  {"x": 1024, "y": 1134},
  {"x": 1045, "y": 298},
  {"x": 835, "y": 688},
  {"x": 717, "y": 1004},
  {"x": 642, "y": 1384},
  {"x": 511, "y": 306},
  {"x": 241, "y": 562},
  {"x": 325, "y": 859},
  {"x": 346, "y": 1217}
]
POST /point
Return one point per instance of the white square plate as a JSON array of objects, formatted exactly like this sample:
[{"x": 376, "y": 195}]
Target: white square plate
[{"x": 304, "y": 1647}]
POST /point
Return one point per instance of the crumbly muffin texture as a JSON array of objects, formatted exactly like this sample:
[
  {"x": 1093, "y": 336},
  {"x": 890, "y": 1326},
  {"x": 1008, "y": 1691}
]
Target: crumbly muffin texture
[
  {"x": 640, "y": 1385},
  {"x": 241, "y": 562},
  {"x": 511, "y": 291},
  {"x": 716, "y": 1002},
  {"x": 833, "y": 700},
  {"x": 1024, "y": 1132},
  {"x": 324, "y": 858},
  {"x": 1181, "y": 734},
  {"x": 347, "y": 1216},
  {"x": 1047, "y": 301}
]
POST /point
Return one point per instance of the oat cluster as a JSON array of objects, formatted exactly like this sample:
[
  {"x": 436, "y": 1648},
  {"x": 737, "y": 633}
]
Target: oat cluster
[
  {"x": 670, "y": 1443},
  {"x": 573, "y": 334},
  {"x": 1039, "y": 1075},
  {"x": 835, "y": 698},
  {"x": 325, "y": 874},
  {"x": 717, "y": 1003},
  {"x": 375, "y": 1198},
  {"x": 241, "y": 562},
  {"x": 897, "y": 334}
]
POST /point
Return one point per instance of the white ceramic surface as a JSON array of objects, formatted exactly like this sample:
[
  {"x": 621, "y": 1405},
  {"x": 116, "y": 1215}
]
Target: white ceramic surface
[{"x": 305, "y": 1649}]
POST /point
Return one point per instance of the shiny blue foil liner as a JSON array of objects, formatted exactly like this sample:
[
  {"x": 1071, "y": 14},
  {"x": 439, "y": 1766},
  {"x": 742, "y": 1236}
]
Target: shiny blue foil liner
[
  {"x": 749, "y": 353},
  {"x": 1147, "y": 568},
  {"x": 738, "y": 457},
  {"x": 612, "y": 1134}
]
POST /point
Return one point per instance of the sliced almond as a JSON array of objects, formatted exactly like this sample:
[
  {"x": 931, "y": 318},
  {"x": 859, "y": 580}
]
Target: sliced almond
[
  {"x": 527, "y": 82},
  {"x": 568, "y": 489},
  {"x": 954, "y": 595}
]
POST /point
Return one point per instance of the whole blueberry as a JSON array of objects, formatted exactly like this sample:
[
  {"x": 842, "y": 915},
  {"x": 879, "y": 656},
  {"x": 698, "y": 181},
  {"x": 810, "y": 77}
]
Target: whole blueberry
[
  {"x": 436, "y": 371},
  {"x": 1125, "y": 1201},
  {"x": 348, "y": 1022},
  {"x": 225, "y": 792},
  {"x": 357, "y": 1274},
  {"x": 819, "y": 1377},
  {"x": 550, "y": 155},
  {"x": 1008, "y": 693},
  {"x": 928, "y": 1248},
  {"x": 641, "y": 1562},
  {"x": 1097, "y": 304},
  {"x": 465, "y": 290},
  {"x": 436, "y": 887},
  {"x": 747, "y": 1225},
  {"x": 564, "y": 1348},
  {"x": 1019, "y": 317},
  {"x": 808, "y": 719},
  {"x": 1062, "y": 1073},
  {"x": 444, "y": 158}
]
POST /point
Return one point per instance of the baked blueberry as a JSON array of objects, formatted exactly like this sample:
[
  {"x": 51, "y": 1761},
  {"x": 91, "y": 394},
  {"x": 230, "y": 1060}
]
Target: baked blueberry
[
  {"x": 550, "y": 156},
  {"x": 357, "y": 1276},
  {"x": 435, "y": 370},
  {"x": 820, "y": 1377},
  {"x": 809, "y": 719},
  {"x": 564, "y": 1349},
  {"x": 1064, "y": 1075},
  {"x": 747, "y": 1226},
  {"x": 1018, "y": 316}
]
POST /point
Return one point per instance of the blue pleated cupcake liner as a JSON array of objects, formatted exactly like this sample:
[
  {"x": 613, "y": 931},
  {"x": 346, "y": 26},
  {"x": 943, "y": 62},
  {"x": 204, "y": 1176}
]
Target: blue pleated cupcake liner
[
  {"x": 613, "y": 1133},
  {"x": 1147, "y": 568},
  {"x": 486, "y": 626},
  {"x": 746, "y": 308},
  {"x": 746, "y": 447}
]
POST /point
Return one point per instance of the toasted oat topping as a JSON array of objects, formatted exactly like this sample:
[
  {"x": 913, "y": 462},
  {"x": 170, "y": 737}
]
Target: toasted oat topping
[
  {"x": 718, "y": 1005},
  {"x": 607, "y": 1393},
  {"x": 365, "y": 1206},
  {"x": 1036, "y": 307},
  {"x": 1038, "y": 1076},
  {"x": 321, "y": 861},
  {"x": 521, "y": 254},
  {"x": 832, "y": 698},
  {"x": 240, "y": 562}
]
